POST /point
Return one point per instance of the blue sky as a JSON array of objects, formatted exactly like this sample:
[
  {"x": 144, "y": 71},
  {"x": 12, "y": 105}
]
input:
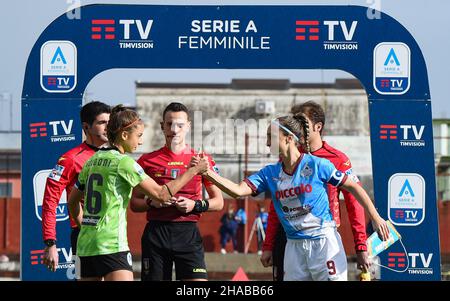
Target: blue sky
[{"x": 22, "y": 21}]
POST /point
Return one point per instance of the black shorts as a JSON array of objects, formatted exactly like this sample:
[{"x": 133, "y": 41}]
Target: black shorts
[
  {"x": 164, "y": 243},
  {"x": 73, "y": 239},
  {"x": 278, "y": 255},
  {"x": 101, "y": 265}
]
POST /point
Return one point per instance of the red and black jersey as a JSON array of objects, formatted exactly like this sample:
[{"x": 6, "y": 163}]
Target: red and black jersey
[
  {"x": 63, "y": 176},
  {"x": 354, "y": 209},
  {"x": 164, "y": 166}
]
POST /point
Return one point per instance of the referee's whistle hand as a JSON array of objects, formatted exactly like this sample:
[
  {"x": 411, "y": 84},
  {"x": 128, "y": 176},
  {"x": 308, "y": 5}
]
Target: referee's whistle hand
[{"x": 185, "y": 205}]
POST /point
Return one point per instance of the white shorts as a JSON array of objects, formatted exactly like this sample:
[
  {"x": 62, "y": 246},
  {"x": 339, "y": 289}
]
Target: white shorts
[{"x": 320, "y": 259}]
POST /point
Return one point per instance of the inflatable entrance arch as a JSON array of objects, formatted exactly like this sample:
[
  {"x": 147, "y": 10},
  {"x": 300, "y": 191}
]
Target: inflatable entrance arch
[{"x": 381, "y": 53}]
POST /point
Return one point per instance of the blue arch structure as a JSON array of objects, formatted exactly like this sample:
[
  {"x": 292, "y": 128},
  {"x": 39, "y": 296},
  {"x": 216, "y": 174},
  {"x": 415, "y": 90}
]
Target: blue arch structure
[{"x": 381, "y": 53}]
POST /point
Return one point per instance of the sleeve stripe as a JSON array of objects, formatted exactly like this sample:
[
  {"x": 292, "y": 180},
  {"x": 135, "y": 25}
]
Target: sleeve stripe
[{"x": 252, "y": 186}]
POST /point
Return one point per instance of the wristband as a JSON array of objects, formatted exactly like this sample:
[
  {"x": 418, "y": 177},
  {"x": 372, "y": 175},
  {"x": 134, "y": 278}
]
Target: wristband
[
  {"x": 49, "y": 242},
  {"x": 201, "y": 206}
]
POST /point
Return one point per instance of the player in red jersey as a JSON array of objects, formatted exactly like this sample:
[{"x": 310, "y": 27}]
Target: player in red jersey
[
  {"x": 171, "y": 234},
  {"x": 94, "y": 117},
  {"x": 273, "y": 248}
]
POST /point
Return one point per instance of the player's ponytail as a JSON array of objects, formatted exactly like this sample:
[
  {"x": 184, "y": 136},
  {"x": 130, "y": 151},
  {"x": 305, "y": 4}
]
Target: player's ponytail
[
  {"x": 121, "y": 119},
  {"x": 298, "y": 127},
  {"x": 304, "y": 125}
]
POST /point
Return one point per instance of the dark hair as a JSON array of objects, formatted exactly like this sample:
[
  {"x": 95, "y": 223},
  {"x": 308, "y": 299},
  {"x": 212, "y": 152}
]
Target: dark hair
[
  {"x": 91, "y": 110},
  {"x": 121, "y": 118},
  {"x": 176, "y": 107},
  {"x": 299, "y": 126},
  {"x": 312, "y": 110}
]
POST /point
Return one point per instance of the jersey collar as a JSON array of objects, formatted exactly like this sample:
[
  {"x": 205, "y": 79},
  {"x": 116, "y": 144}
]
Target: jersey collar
[
  {"x": 93, "y": 147},
  {"x": 296, "y": 165},
  {"x": 186, "y": 150},
  {"x": 108, "y": 148}
]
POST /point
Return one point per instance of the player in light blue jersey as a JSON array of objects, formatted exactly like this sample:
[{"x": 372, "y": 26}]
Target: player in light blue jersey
[{"x": 297, "y": 183}]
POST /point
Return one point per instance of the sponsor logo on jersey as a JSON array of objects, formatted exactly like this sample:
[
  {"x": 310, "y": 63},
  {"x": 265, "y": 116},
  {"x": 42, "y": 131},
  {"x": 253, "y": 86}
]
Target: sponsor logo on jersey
[
  {"x": 176, "y": 163},
  {"x": 302, "y": 210},
  {"x": 90, "y": 220},
  {"x": 293, "y": 191},
  {"x": 56, "y": 172}
]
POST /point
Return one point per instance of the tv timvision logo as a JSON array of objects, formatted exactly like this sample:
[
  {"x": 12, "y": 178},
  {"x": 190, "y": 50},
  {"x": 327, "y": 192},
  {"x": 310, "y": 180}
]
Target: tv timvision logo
[
  {"x": 339, "y": 34},
  {"x": 60, "y": 130},
  {"x": 407, "y": 134},
  {"x": 131, "y": 34},
  {"x": 414, "y": 263}
]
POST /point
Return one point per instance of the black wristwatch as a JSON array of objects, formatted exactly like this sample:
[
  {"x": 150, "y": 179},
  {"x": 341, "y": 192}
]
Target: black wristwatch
[{"x": 49, "y": 242}]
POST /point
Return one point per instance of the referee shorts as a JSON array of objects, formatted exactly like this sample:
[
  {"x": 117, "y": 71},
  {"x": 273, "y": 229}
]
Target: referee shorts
[
  {"x": 278, "y": 255},
  {"x": 165, "y": 243}
]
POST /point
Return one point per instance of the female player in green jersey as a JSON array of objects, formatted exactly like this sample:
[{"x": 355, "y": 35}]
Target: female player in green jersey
[{"x": 106, "y": 182}]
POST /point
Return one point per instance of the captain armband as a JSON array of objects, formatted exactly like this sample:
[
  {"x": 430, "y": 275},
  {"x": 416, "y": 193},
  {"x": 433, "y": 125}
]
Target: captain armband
[{"x": 201, "y": 206}]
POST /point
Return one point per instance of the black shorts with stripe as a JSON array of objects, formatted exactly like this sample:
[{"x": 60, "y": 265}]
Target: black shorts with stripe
[
  {"x": 74, "y": 238},
  {"x": 278, "y": 254},
  {"x": 102, "y": 265}
]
